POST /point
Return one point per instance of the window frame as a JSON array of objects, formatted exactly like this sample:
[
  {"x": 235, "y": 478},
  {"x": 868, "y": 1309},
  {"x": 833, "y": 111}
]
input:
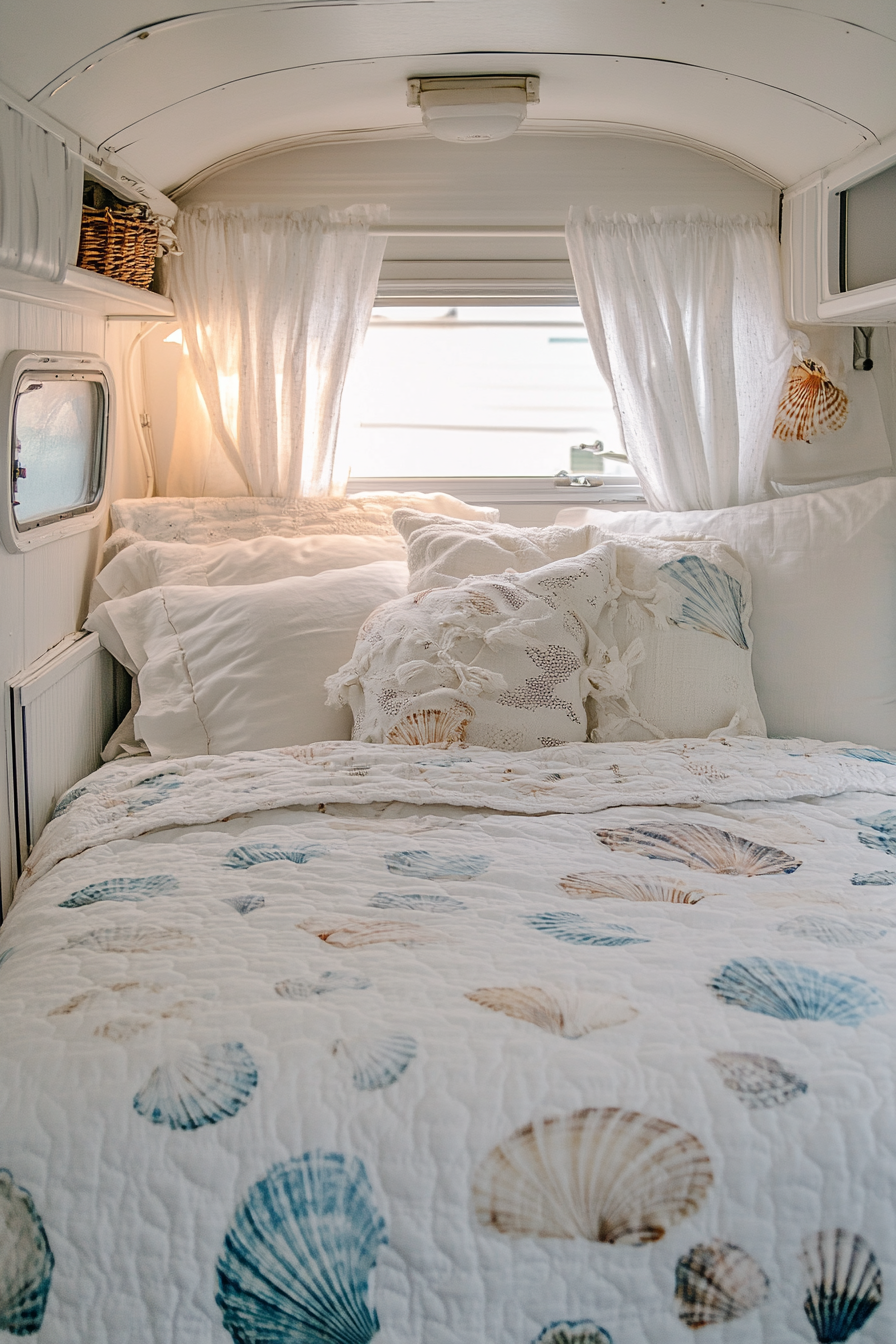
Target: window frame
[{"x": 70, "y": 367}]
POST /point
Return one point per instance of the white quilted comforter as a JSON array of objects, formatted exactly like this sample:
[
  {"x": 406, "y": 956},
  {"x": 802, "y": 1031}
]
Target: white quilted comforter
[{"x": 586, "y": 1044}]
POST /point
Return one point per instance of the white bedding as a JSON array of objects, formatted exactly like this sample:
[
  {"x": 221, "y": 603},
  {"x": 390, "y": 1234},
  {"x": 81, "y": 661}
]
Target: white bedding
[{"x": 369, "y": 967}]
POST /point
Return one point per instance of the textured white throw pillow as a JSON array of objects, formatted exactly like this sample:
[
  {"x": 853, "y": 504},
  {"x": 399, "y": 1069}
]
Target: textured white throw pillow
[
  {"x": 443, "y": 550},
  {"x": 150, "y": 564},
  {"x": 823, "y": 567},
  {"x": 242, "y": 668}
]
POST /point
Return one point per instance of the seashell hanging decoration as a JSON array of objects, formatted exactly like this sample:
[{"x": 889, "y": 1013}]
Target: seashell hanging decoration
[
  {"x": 603, "y": 1174},
  {"x": 700, "y": 847},
  {"x": 789, "y": 991},
  {"x": 562, "y": 1013},
  {"x": 376, "y": 1061},
  {"x": 712, "y": 601},
  {"x": 145, "y": 938},
  {"x": 433, "y": 727},
  {"x": 758, "y": 1081},
  {"x": 845, "y": 1285},
  {"x": 717, "y": 1282},
  {"x": 330, "y": 982},
  {"x": 247, "y": 856},
  {"x": 419, "y": 863},
  {"x": 811, "y": 404},
  {"x": 297, "y": 1258},
  {"x": 621, "y": 887},
  {"x": 830, "y": 929},
  {"x": 406, "y": 900},
  {"x": 243, "y": 905},
  {"x": 122, "y": 889},
  {"x": 200, "y": 1086},
  {"x": 367, "y": 932},
  {"x": 571, "y": 927},
  {"x": 26, "y": 1261},
  {"x": 573, "y": 1332}
]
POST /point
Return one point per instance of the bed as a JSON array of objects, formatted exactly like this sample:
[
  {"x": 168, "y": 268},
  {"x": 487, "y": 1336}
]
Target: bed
[{"x": 582, "y": 1042}]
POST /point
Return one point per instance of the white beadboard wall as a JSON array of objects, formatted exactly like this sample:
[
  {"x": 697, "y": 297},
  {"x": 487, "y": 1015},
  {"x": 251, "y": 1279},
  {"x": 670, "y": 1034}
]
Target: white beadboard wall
[{"x": 43, "y": 593}]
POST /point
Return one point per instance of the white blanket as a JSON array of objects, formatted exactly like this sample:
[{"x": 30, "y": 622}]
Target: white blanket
[{"x": 468, "y": 1047}]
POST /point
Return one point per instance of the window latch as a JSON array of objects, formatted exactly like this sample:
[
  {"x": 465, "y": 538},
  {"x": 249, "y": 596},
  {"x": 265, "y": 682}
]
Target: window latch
[{"x": 563, "y": 478}]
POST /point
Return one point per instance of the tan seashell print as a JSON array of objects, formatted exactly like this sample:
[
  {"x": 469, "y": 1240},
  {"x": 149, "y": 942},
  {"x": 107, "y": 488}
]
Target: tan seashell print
[
  {"x": 593, "y": 886},
  {"x": 561, "y": 1013},
  {"x": 811, "y": 404},
  {"x": 603, "y": 1174},
  {"x": 433, "y": 727},
  {"x": 366, "y": 932}
]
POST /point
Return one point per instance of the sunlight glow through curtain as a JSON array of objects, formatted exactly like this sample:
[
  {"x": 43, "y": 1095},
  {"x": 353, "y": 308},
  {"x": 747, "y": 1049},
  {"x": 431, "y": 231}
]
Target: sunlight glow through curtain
[
  {"x": 274, "y": 306},
  {"x": 686, "y": 322}
]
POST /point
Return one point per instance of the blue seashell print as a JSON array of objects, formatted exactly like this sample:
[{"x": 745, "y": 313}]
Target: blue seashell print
[
  {"x": 330, "y": 982},
  {"x": 123, "y": 889},
  {"x": 297, "y": 1258},
  {"x": 200, "y": 1086},
  {"x": 878, "y": 754},
  {"x": 830, "y": 929},
  {"x": 6, "y": 954},
  {"x": 879, "y": 879},
  {"x": 758, "y": 1081},
  {"x": 26, "y": 1261},
  {"x": 435, "y": 867},
  {"x": 404, "y": 900},
  {"x": 788, "y": 990},
  {"x": 713, "y": 601},
  {"x": 883, "y": 828},
  {"x": 247, "y": 856},
  {"x": 573, "y": 1332},
  {"x": 575, "y": 928},
  {"x": 845, "y": 1285},
  {"x": 377, "y": 1061},
  {"x": 243, "y": 905},
  {"x": 153, "y": 791},
  {"x": 67, "y": 799}
]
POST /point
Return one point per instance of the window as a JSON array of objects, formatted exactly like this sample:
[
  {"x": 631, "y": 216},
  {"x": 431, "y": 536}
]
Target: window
[
  {"x": 483, "y": 392},
  {"x": 57, "y": 441}
]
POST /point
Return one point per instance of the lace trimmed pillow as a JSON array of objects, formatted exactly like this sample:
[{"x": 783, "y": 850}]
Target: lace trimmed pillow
[{"x": 502, "y": 661}]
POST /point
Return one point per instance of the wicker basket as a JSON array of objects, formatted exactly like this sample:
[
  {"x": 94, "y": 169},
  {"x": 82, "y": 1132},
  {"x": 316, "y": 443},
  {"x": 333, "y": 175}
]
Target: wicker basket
[{"x": 120, "y": 242}]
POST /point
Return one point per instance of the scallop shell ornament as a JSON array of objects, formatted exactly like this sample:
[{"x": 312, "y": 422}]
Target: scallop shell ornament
[
  {"x": 811, "y": 404},
  {"x": 700, "y": 847},
  {"x": 716, "y": 1283},
  {"x": 758, "y": 1081},
  {"x": 26, "y": 1261},
  {"x": 711, "y": 600},
  {"x": 559, "y": 1012},
  {"x": 297, "y": 1258},
  {"x": 603, "y": 1174},
  {"x": 377, "y": 1061},
  {"x": 790, "y": 991},
  {"x": 122, "y": 889},
  {"x": 573, "y": 1332},
  {"x": 621, "y": 887},
  {"x": 199, "y": 1087},
  {"x": 433, "y": 727},
  {"x": 845, "y": 1284}
]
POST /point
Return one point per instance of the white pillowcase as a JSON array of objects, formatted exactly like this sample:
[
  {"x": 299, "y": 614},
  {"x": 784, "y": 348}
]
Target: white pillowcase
[
  {"x": 237, "y": 519},
  {"x": 150, "y": 564},
  {"x": 443, "y": 550},
  {"x": 823, "y": 567},
  {"x": 242, "y": 668}
]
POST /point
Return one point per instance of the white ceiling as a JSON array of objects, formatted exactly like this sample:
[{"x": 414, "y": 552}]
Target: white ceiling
[{"x": 780, "y": 88}]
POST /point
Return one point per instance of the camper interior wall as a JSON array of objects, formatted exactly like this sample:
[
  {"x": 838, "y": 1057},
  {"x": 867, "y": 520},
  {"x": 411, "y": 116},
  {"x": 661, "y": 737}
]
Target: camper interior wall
[{"x": 43, "y": 592}]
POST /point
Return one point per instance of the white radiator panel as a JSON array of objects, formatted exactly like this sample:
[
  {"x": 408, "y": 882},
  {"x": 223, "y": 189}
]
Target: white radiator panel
[{"x": 61, "y": 711}]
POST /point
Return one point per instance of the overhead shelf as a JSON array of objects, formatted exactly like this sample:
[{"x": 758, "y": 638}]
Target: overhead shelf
[{"x": 87, "y": 290}]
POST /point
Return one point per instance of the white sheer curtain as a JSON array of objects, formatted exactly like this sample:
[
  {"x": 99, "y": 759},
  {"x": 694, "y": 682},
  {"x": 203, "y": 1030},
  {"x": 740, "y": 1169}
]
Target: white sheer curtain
[
  {"x": 274, "y": 305},
  {"x": 686, "y": 322}
]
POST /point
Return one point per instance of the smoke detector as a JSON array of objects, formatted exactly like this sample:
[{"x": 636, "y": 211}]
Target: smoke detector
[{"x": 473, "y": 109}]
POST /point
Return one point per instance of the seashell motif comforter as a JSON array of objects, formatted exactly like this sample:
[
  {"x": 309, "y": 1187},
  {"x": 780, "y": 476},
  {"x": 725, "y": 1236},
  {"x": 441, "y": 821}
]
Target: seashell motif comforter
[{"x": 588, "y": 1045}]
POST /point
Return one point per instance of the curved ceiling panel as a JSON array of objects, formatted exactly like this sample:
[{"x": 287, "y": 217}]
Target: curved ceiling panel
[{"x": 786, "y": 87}]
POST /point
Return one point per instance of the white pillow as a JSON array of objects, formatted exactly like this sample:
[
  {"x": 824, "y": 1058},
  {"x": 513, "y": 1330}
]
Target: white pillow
[
  {"x": 823, "y": 567},
  {"x": 442, "y": 550},
  {"x": 150, "y": 564},
  {"x": 242, "y": 668},
  {"x": 239, "y": 518}
]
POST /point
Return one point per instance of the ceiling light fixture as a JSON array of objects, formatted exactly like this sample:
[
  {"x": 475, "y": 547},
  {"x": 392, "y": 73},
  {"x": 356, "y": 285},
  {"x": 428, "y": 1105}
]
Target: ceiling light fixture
[{"x": 473, "y": 109}]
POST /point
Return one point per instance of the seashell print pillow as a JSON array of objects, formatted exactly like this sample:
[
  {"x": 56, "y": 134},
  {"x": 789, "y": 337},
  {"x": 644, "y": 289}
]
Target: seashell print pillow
[{"x": 501, "y": 661}]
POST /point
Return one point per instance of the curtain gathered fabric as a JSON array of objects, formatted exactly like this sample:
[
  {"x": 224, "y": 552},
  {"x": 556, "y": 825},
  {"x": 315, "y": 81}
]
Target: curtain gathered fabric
[
  {"x": 686, "y": 321},
  {"x": 274, "y": 305}
]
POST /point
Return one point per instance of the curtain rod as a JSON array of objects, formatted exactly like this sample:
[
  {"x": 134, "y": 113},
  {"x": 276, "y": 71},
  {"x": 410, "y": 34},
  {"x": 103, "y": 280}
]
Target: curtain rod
[{"x": 467, "y": 230}]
